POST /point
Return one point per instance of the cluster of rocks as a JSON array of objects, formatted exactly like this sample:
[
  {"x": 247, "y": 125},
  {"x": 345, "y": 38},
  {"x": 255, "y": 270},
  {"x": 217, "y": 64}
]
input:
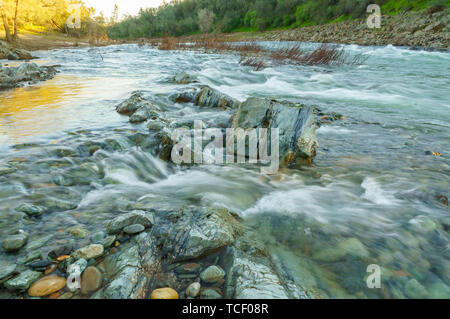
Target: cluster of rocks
[
  {"x": 11, "y": 77},
  {"x": 57, "y": 274},
  {"x": 189, "y": 252},
  {"x": 11, "y": 53},
  {"x": 296, "y": 122},
  {"x": 414, "y": 29}
]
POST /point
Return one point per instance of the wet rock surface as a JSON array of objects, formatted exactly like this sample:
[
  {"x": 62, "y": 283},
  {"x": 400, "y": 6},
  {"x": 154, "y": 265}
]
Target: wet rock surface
[
  {"x": 183, "y": 78},
  {"x": 127, "y": 242},
  {"x": 138, "y": 108},
  {"x": 11, "y": 77},
  {"x": 295, "y": 122},
  {"x": 11, "y": 53},
  {"x": 208, "y": 97},
  {"x": 142, "y": 218}
]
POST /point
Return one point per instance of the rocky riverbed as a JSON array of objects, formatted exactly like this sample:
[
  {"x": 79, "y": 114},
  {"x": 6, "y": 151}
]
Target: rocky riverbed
[
  {"x": 102, "y": 201},
  {"x": 197, "y": 252}
]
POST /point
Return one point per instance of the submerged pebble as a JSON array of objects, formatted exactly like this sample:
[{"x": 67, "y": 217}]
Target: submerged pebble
[
  {"x": 212, "y": 274},
  {"x": 134, "y": 229}
]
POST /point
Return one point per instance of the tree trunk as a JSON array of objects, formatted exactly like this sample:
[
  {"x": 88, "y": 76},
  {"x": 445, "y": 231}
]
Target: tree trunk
[
  {"x": 16, "y": 35},
  {"x": 5, "y": 25}
]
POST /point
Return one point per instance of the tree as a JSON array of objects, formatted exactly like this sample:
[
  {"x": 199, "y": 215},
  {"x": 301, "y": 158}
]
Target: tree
[
  {"x": 115, "y": 14},
  {"x": 205, "y": 20},
  {"x": 5, "y": 22},
  {"x": 16, "y": 36}
]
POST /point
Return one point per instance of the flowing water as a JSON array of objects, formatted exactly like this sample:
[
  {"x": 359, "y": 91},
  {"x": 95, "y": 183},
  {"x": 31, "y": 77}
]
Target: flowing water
[{"x": 375, "y": 194}]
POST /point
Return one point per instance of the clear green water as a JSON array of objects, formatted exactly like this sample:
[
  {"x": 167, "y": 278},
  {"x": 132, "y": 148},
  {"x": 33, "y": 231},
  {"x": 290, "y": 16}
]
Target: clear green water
[{"x": 371, "y": 197}]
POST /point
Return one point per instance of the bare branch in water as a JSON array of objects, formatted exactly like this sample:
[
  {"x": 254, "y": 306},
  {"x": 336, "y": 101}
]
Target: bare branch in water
[{"x": 253, "y": 62}]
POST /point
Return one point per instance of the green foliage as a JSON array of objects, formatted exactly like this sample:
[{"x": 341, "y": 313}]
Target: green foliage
[
  {"x": 397, "y": 6},
  {"x": 180, "y": 17}
]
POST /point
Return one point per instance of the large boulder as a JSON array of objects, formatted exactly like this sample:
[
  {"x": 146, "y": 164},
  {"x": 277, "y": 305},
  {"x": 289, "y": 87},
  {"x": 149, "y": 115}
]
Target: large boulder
[
  {"x": 183, "y": 78},
  {"x": 198, "y": 233},
  {"x": 250, "y": 279},
  {"x": 208, "y": 97},
  {"x": 296, "y": 124},
  {"x": 131, "y": 269},
  {"x": 138, "y": 108},
  {"x": 11, "y": 77},
  {"x": 253, "y": 273},
  {"x": 10, "y": 53}
]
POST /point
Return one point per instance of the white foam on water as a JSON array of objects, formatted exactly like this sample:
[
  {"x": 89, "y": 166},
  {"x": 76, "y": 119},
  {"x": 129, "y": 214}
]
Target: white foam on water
[
  {"x": 334, "y": 130},
  {"x": 300, "y": 201},
  {"x": 126, "y": 177},
  {"x": 4, "y": 139},
  {"x": 375, "y": 194},
  {"x": 350, "y": 94}
]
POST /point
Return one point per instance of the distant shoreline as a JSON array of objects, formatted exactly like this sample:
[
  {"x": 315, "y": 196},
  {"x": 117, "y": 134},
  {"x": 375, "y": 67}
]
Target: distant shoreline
[{"x": 417, "y": 30}]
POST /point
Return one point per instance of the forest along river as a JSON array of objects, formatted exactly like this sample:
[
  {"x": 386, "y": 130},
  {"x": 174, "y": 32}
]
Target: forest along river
[{"x": 374, "y": 195}]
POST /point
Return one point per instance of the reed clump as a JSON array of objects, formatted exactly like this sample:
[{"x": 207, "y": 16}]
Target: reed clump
[
  {"x": 253, "y": 62},
  {"x": 256, "y": 56}
]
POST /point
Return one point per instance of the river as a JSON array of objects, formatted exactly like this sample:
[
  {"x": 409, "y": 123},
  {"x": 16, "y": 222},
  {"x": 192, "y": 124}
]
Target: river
[{"x": 375, "y": 193}]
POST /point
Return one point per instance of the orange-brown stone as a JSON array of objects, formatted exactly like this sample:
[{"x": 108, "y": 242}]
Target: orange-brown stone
[
  {"x": 164, "y": 293},
  {"x": 47, "y": 286}
]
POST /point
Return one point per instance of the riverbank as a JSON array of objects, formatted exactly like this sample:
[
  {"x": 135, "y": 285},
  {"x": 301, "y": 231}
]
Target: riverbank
[
  {"x": 420, "y": 30},
  {"x": 36, "y": 41}
]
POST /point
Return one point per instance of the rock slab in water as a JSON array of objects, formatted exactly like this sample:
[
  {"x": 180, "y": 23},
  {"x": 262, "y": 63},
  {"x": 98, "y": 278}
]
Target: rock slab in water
[
  {"x": 15, "y": 241},
  {"x": 130, "y": 271},
  {"x": 10, "y": 53},
  {"x": 134, "y": 229},
  {"x": 208, "y": 97},
  {"x": 295, "y": 122},
  {"x": 47, "y": 286},
  {"x": 137, "y": 108},
  {"x": 7, "y": 271},
  {"x": 250, "y": 277},
  {"x": 11, "y": 77},
  {"x": 198, "y": 233},
  {"x": 91, "y": 280},
  {"x": 30, "y": 210},
  {"x": 183, "y": 78},
  {"x": 23, "y": 281},
  {"x": 164, "y": 293},
  {"x": 135, "y": 217},
  {"x": 212, "y": 274}
]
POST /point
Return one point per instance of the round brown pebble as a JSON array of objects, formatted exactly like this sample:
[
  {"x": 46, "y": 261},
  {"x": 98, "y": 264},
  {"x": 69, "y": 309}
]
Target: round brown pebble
[
  {"x": 91, "y": 280},
  {"x": 164, "y": 293},
  {"x": 47, "y": 286}
]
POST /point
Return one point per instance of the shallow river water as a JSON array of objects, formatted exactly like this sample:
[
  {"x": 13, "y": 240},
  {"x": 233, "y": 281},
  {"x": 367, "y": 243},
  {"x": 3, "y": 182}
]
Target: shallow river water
[{"x": 375, "y": 193}]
